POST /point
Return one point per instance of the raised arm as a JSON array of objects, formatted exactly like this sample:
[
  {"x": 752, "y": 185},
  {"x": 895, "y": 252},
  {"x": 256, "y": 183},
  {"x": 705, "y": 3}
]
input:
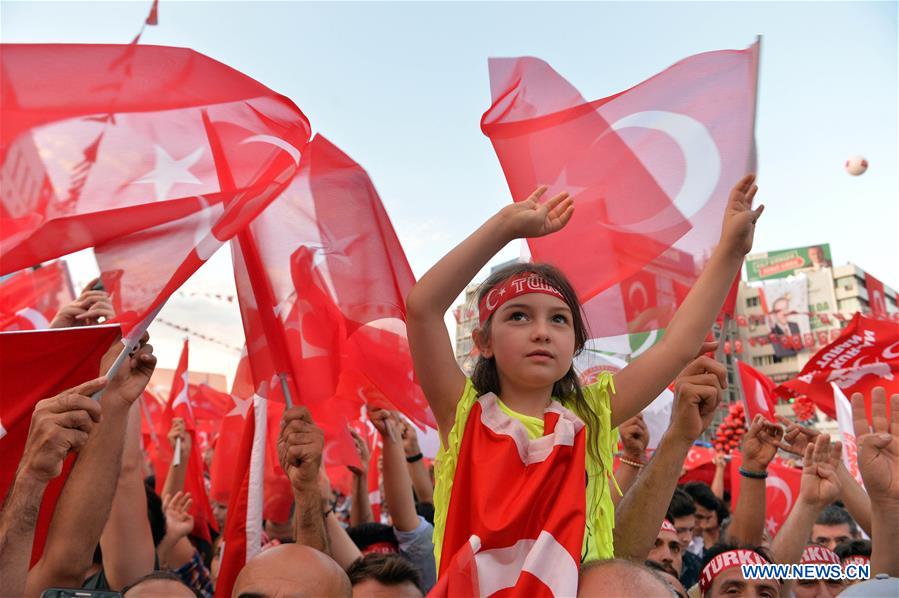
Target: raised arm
[
  {"x": 174, "y": 479},
  {"x": 818, "y": 488},
  {"x": 397, "y": 484},
  {"x": 360, "y": 503},
  {"x": 300, "y": 447},
  {"x": 645, "y": 377},
  {"x": 86, "y": 498},
  {"x": 854, "y": 497},
  {"x": 421, "y": 481},
  {"x": 747, "y": 525},
  {"x": 435, "y": 363},
  {"x": 718, "y": 479},
  {"x": 878, "y": 461},
  {"x": 343, "y": 549},
  {"x": 634, "y": 438},
  {"x": 127, "y": 542},
  {"x": 639, "y": 515},
  {"x": 58, "y": 425}
]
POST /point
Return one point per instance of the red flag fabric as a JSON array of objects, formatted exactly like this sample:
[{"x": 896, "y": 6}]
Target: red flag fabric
[
  {"x": 30, "y": 299},
  {"x": 179, "y": 405},
  {"x": 650, "y": 170},
  {"x": 225, "y": 459},
  {"x": 243, "y": 528},
  {"x": 37, "y": 365},
  {"x": 876, "y": 297},
  {"x": 758, "y": 392},
  {"x": 781, "y": 490},
  {"x": 208, "y": 403},
  {"x": 865, "y": 355}
]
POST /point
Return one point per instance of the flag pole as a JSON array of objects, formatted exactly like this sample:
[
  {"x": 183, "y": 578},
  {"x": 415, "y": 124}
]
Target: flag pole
[{"x": 131, "y": 343}]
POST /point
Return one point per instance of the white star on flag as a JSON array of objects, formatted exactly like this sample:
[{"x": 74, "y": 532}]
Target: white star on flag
[
  {"x": 168, "y": 172},
  {"x": 182, "y": 397},
  {"x": 561, "y": 184},
  {"x": 241, "y": 406},
  {"x": 2, "y": 430}
]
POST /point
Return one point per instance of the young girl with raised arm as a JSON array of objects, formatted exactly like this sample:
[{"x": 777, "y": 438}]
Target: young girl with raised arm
[{"x": 526, "y": 452}]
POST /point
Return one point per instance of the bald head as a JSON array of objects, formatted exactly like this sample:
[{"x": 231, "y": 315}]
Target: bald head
[
  {"x": 292, "y": 571},
  {"x": 618, "y": 577}
]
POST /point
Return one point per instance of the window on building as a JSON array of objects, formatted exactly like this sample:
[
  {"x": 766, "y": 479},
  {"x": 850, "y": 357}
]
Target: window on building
[
  {"x": 752, "y": 302},
  {"x": 762, "y": 360}
]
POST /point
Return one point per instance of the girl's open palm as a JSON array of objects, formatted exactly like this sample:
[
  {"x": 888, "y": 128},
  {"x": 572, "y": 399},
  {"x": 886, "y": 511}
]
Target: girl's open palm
[
  {"x": 531, "y": 218},
  {"x": 739, "y": 218}
]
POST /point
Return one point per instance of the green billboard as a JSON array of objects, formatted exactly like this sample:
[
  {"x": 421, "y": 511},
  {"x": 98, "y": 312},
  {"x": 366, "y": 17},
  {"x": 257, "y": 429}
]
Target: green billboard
[{"x": 786, "y": 262}]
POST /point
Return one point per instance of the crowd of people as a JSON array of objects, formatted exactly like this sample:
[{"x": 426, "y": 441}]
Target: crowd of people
[{"x": 523, "y": 496}]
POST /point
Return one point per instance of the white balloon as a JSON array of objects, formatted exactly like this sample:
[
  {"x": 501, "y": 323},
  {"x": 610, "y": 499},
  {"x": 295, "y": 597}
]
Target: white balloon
[{"x": 856, "y": 165}]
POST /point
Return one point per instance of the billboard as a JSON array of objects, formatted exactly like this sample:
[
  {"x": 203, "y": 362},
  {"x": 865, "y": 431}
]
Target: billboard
[{"x": 786, "y": 262}]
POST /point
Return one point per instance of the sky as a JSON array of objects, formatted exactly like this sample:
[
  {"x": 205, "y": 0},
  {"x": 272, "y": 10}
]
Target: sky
[{"x": 400, "y": 87}]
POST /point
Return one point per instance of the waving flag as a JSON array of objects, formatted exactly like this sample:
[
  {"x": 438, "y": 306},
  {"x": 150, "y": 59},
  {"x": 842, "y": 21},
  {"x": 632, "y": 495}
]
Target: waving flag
[
  {"x": 865, "y": 355},
  {"x": 231, "y": 429},
  {"x": 179, "y": 405},
  {"x": 758, "y": 392},
  {"x": 243, "y": 529},
  {"x": 321, "y": 281},
  {"x": 36, "y": 365},
  {"x": 649, "y": 168},
  {"x": 30, "y": 299},
  {"x": 137, "y": 151}
]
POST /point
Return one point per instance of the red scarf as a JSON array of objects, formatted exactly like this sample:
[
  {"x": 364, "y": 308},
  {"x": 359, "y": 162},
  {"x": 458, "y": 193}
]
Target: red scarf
[{"x": 516, "y": 518}]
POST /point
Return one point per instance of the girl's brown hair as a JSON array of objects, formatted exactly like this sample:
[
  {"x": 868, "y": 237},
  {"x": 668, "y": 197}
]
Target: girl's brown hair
[{"x": 485, "y": 377}]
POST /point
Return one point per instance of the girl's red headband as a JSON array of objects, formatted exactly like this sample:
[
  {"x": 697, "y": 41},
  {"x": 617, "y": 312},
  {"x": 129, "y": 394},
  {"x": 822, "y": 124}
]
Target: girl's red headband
[{"x": 522, "y": 284}]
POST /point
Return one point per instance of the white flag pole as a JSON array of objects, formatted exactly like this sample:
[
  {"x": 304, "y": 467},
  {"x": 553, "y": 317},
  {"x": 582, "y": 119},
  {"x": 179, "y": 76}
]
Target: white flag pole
[
  {"x": 131, "y": 343},
  {"x": 176, "y": 459}
]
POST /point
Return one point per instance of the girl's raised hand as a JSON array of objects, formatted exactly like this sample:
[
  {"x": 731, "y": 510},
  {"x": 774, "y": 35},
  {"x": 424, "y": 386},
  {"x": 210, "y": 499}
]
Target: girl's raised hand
[
  {"x": 531, "y": 218},
  {"x": 739, "y": 217}
]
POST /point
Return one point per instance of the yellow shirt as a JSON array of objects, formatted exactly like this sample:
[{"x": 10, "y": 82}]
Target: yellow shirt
[{"x": 600, "y": 510}]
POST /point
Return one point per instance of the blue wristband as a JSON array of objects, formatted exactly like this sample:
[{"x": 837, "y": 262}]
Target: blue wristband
[{"x": 755, "y": 475}]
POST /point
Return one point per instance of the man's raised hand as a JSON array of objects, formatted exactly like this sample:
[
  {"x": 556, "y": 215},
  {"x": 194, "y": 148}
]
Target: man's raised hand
[
  {"x": 697, "y": 392},
  {"x": 86, "y": 310},
  {"x": 878, "y": 445},
  {"x": 819, "y": 485},
  {"x": 58, "y": 425},
  {"x": 300, "y": 447},
  {"x": 760, "y": 443}
]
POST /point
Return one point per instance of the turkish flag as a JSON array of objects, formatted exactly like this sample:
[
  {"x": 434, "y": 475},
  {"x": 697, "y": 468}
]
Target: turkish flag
[
  {"x": 231, "y": 428},
  {"x": 118, "y": 136},
  {"x": 321, "y": 281},
  {"x": 208, "y": 403},
  {"x": 876, "y": 297},
  {"x": 649, "y": 168},
  {"x": 38, "y": 365},
  {"x": 243, "y": 528},
  {"x": 863, "y": 356},
  {"x": 781, "y": 490},
  {"x": 30, "y": 299},
  {"x": 179, "y": 405},
  {"x": 146, "y": 151},
  {"x": 758, "y": 392}
]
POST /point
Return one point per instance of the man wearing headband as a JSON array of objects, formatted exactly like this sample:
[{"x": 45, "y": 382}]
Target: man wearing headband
[
  {"x": 817, "y": 554},
  {"x": 723, "y": 576},
  {"x": 854, "y": 552},
  {"x": 667, "y": 551}
]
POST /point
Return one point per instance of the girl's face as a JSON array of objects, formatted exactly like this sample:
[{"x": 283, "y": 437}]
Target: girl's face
[{"x": 532, "y": 339}]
